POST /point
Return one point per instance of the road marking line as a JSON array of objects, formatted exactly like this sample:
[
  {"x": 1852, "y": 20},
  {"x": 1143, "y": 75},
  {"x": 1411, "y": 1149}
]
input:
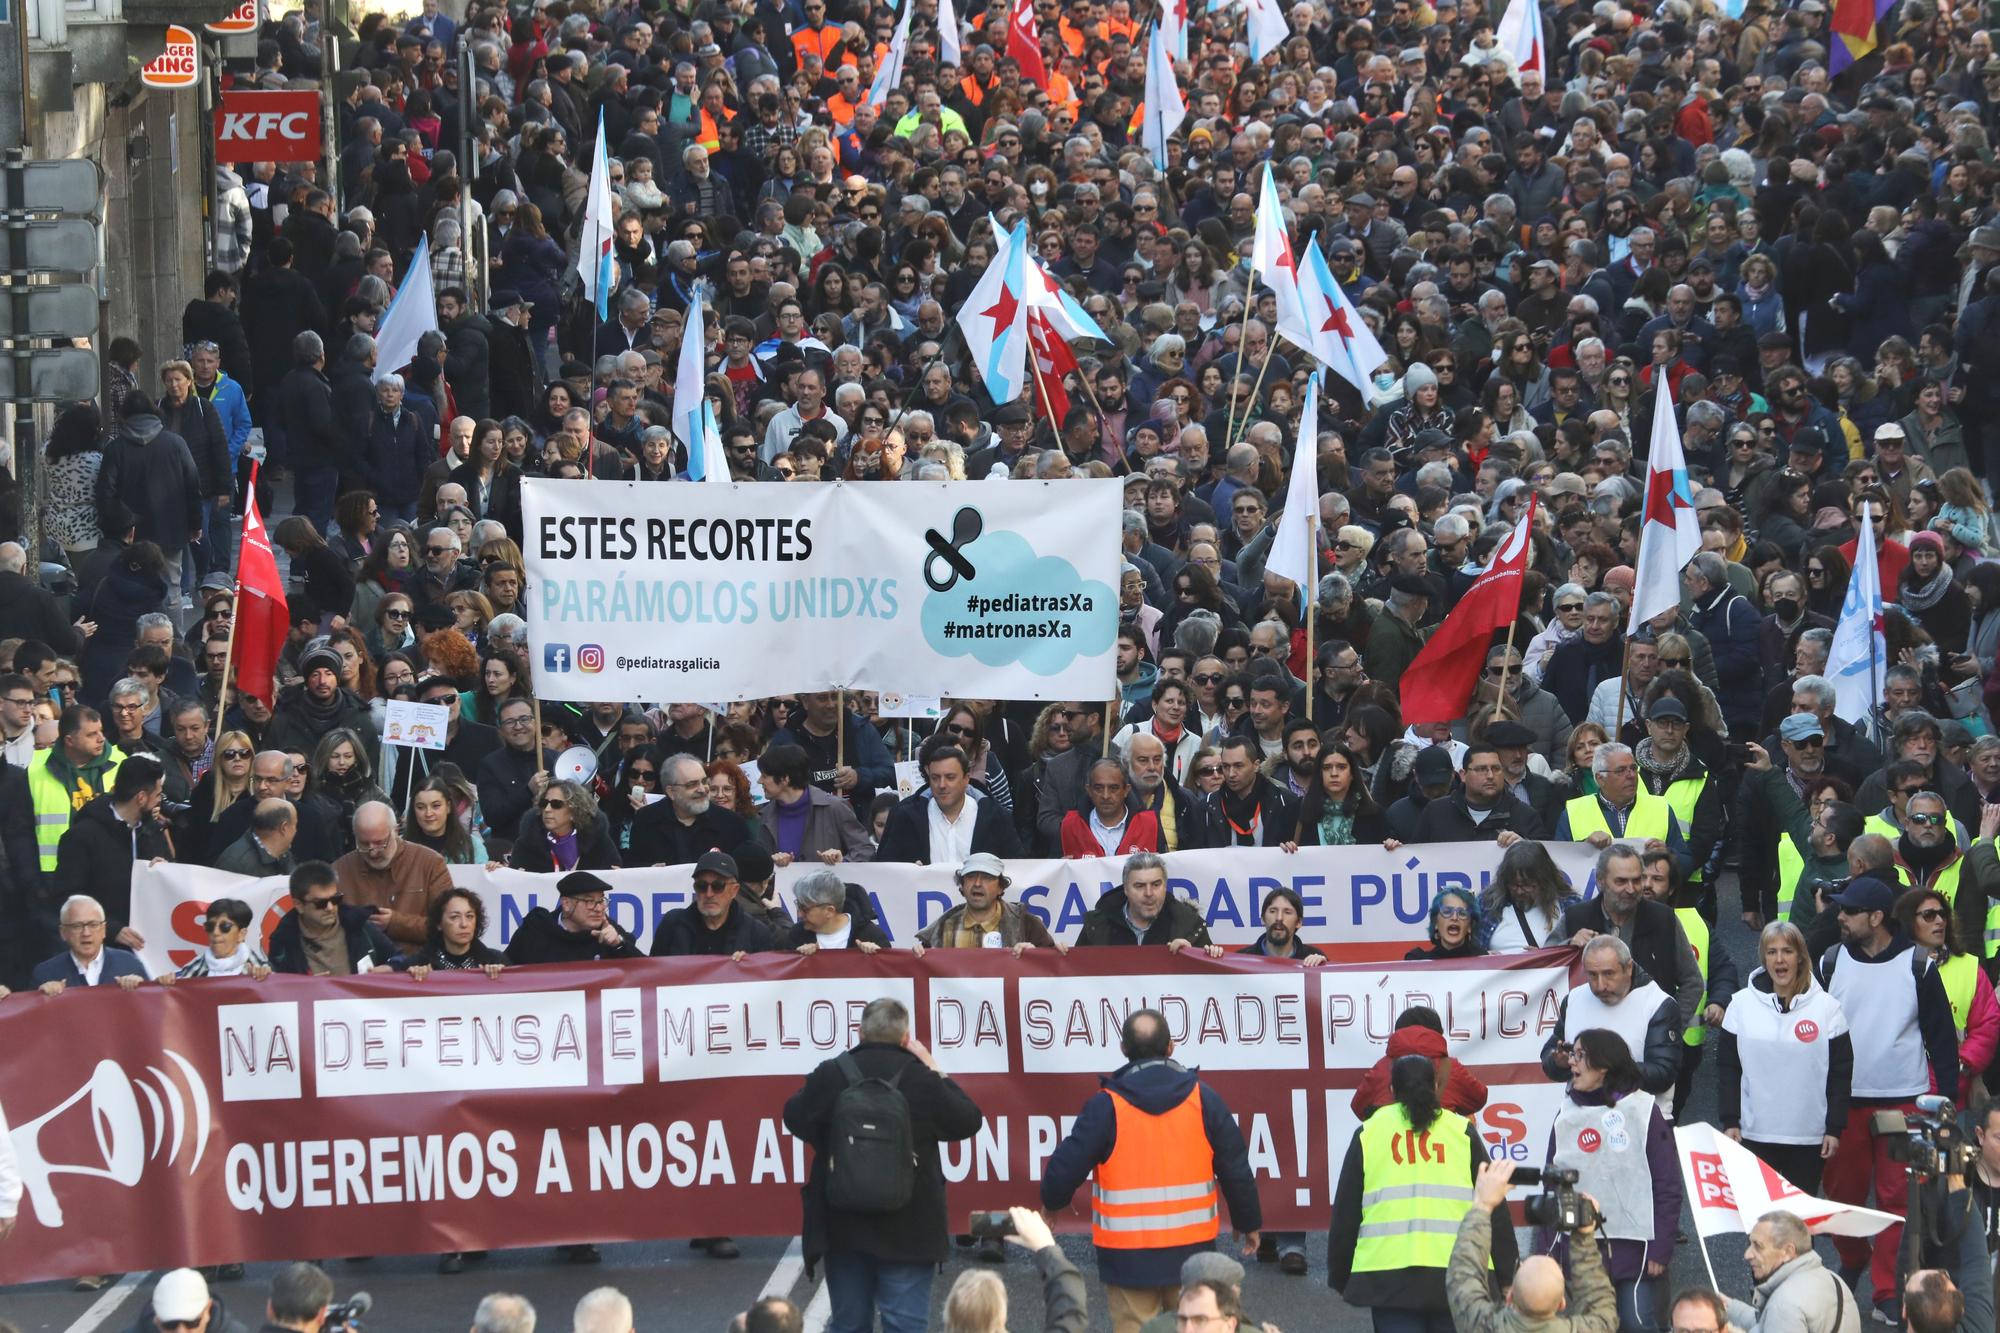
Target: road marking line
[
  {"x": 820, "y": 1312},
  {"x": 107, "y": 1304},
  {"x": 786, "y": 1275}
]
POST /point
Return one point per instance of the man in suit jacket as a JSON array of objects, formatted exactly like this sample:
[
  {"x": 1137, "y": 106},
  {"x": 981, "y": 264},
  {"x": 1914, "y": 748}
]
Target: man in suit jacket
[
  {"x": 947, "y": 823},
  {"x": 87, "y": 962}
]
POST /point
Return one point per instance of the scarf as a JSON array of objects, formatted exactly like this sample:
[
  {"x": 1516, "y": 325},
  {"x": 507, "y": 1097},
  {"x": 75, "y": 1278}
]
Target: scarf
[
  {"x": 1167, "y": 738},
  {"x": 236, "y": 965},
  {"x": 1752, "y": 292},
  {"x": 562, "y": 850},
  {"x": 1659, "y": 773},
  {"x": 1923, "y": 596},
  {"x": 1244, "y": 814}
]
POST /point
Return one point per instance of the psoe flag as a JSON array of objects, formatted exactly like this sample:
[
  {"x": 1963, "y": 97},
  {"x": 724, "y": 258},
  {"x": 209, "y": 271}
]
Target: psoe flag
[{"x": 1729, "y": 1187}]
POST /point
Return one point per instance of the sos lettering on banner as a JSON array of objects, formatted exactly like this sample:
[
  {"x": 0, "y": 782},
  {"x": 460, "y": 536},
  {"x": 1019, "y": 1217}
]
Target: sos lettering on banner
[
  {"x": 759, "y": 588},
  {"x": 1360, "y": 902},
  {"x": 235, "y": 1120}
]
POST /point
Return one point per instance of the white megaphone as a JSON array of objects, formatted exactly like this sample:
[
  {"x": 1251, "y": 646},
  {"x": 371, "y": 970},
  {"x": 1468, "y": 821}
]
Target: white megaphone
[
  {"x": 121, "y": 1141},
  {"x": 576, "y": 764}
]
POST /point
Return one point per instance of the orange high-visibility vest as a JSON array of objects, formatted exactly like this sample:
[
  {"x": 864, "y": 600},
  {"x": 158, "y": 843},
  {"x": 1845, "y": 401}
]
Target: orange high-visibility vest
[{"x": 1157, "y": 1189}]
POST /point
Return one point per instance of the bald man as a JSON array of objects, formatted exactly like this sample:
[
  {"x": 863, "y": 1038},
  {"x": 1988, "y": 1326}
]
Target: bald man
[{"x": 1538, "y": 1295}]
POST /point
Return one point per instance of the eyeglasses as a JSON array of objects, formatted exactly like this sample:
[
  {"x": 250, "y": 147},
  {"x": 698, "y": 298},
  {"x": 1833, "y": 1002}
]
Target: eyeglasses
[
  {"x": 594, "y": 900},
  {"x": 1234, "y": 701},
  {"x": 395, "y": 613},
  {"x": 334, "y": 901},
  {"x": 221, "y": 926},
  {"x": 1810, "y": 743},
  {"x": 1928, "y": 821},
  {"x": 705, "y": 887},
  {"x": 554, "y": 805},
  {"x": 84, "y": 927},
  {"x": 235, "y": 752},
  {"x": 1619, "y": 382},
  {"x": 1207, "y": 677},
  {"x": 1931, "y": 914},
  {"x": 511, "y": 723},
  {"x": 643, "y": 774},
  {"x": 1907, "y": 791},
  {"x": 1454, "y": 914},
  {"x": 440, "y": 550},
  {"x": 1671, "y": 662},
  {"x": 1569, "y": 608}
]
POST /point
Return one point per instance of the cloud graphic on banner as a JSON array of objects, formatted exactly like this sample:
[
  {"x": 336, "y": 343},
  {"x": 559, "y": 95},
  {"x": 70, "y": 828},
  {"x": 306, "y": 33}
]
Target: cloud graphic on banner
[{"x": 1018, "y": 607}]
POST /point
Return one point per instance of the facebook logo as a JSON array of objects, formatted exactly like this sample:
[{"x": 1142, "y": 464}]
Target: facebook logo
[{"x": 555, "y": 657}]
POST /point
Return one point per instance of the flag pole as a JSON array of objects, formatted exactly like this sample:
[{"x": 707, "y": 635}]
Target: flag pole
[
  {"x": 1249, "y": 300},
  {"x": 1256, "y": 388},
  {"x": 229, "y": 658},
  {"x": 1500, "y": 699},
  {"x": 541, "y": 752},
  {"x": 1048, "y": 406},
  {"x": 840, "y": 731}
]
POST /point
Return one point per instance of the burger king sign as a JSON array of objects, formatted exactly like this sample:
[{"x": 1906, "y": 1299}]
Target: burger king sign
[{"x": 176, "y": 67}]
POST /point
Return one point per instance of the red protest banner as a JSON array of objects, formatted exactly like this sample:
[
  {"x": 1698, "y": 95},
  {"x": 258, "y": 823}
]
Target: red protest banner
[{"x": 234, "y": 1120}]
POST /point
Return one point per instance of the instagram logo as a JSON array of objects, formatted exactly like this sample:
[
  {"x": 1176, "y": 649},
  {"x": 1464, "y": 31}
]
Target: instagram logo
[{"x": 590, "y": 658}]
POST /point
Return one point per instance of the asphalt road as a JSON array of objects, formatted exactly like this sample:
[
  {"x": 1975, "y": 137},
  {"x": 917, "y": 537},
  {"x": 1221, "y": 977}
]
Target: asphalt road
[{"x": 677, "y": 1290}]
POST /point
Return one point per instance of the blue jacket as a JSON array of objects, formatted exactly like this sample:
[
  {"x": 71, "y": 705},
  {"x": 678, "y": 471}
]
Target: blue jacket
[
  {"x": 117, "y": 963},
  {"x": 227, "y": 396},
  {"x": 1155, "y": 1087}
]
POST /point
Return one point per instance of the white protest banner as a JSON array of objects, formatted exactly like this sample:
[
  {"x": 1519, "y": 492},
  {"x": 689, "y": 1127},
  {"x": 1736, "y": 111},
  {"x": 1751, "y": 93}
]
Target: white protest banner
[
  {"x": 1729, "y": 1187},
  {"x": 754, "y": 589},
  {"x": 1360, "y": 902},
  {"x": 421, "y": 726}
]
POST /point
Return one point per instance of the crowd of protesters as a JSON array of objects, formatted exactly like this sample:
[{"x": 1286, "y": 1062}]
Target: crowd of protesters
[{"x": 1793, "y": 239}]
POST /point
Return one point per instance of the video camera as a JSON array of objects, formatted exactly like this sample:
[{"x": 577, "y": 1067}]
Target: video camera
[
  {"x": 347, "y": 1314},
  {"x": 1560, "y": 1206},
  {"x": 1929, "y": 1141}
]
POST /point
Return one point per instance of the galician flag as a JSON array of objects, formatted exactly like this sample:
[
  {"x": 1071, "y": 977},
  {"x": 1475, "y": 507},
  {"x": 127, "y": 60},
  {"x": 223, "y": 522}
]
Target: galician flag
[
  {"x": 891, "y": 72},
  {"x": 1174, "y": 18},
  {"x": 593, "y": 253},
  {"x": 948, "y": 38},
  {"x": 1669, "y": 537},
  {"x": 694, "y": 419},
  {"x": 1266, "y": 27},
  {"x": 1163, "y": 110},
  {"x": 1520, "y": 36},
  {"x": 1729, "y": 1187},
  {"x": 1857, "y": 657},
  {"x": 411, "y": 314},
  {"x": 994, "y": 318},
  {"x": 1272, "y": 261},
  {"x": 1341, "y": 339},
  {"x": 1294, "y": 547}
]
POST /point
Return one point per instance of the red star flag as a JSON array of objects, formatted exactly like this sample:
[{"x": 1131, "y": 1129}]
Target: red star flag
[
  {"x": 1341, "y": 339},
  {"x": 1730, "y": 1187},
  {"x": 1669, "y": 536},
  {"x": 1437, "y": 685},
  {"x": 994, "y": 317},
  {"x": 1272, "y": 261}
]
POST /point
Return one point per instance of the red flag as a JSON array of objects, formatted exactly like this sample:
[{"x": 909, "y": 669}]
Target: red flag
[
  {"x": 1024, "y": 42},
  {"x": 1438, "y": 684},
  {"x": 261, "y": 614},
  {"x": 1053, "y": 360}
]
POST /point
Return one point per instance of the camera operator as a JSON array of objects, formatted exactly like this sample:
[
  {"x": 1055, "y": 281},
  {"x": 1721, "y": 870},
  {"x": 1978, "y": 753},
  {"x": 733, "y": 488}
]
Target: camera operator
[
  {"x": 1794, "y": 1289},
  {"x": 977, "y": 1301},
  {"x": 1985, "y": 1178},
  {"x": 1537, "y": 1298},
  {"x": 1614, "y": 1136},
  {"x": 300, "y": 1294},
  {"x": 1954, "y": 1294}
]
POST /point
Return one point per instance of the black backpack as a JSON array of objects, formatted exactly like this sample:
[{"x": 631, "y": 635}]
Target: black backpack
[{"x": 871, "y": 1154}]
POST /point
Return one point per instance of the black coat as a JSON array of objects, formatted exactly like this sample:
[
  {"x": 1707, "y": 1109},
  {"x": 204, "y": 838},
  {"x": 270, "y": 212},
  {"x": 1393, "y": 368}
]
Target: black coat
[
  {"x": 197, "y": 422},
  {"x": 394, "y": 455},
  {"x": 95, "y": 858},
  {"x": 213, "y": 322},
  {"x": 542, "y": 938},
  {"x": 353, "y": 403},
  {"x": 304, "y": 413},
  {"x": 29, "y": 611},
  {"x": 940, "y": 1112},
  {"x": 115, "y": 604},
  {"x": 515, "y": 379},
  {"x": 906, "y": 836},
  {"x": 503, "y": 501},
  {"x": 466, "y": 364},
  {"x": 1106, "y": 924},
  {"x": 1447, "y": 820},
  {"x": 594, "y": 848},
  {"x": 280, "y": 304},
  {"x": 503, "y": 788},
  {"x": 1207, "y": 823},
  {"x": 149, "y": 480},
  {"x": 1655, "y": 934},
  {"x": 682, "y": 932},
  {"x": 660, "y": 839}
]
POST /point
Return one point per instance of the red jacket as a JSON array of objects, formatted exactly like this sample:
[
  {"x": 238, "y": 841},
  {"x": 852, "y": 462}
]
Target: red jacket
[
  {"x": 1142, "y": 834},
  {"x": 1463, "y": 1092}
]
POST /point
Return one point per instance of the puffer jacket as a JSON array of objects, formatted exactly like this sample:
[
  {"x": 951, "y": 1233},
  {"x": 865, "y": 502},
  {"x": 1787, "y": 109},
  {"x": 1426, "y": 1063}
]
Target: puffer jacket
[{"x": 1799, "y": 1297}]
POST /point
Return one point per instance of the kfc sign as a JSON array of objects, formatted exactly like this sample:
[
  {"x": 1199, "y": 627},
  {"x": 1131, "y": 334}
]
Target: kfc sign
[
  {"x": 267, "y": 127},
  {"x": 242, "y": 19},
  {"x": 176, "y": 67}
]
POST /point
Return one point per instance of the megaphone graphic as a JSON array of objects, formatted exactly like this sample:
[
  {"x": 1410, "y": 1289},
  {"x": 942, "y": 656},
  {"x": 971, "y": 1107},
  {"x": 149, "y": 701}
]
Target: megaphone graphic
[{"x": 119, "y": 1128}]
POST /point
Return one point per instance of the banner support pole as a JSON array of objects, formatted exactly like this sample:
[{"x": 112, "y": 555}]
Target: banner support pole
[
  {"x": 541, "y": 754},
  {"x": 840, "y": 732},
  {"x": 1110, "y": 721},
  {"x": 1500, "y": 699}
]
